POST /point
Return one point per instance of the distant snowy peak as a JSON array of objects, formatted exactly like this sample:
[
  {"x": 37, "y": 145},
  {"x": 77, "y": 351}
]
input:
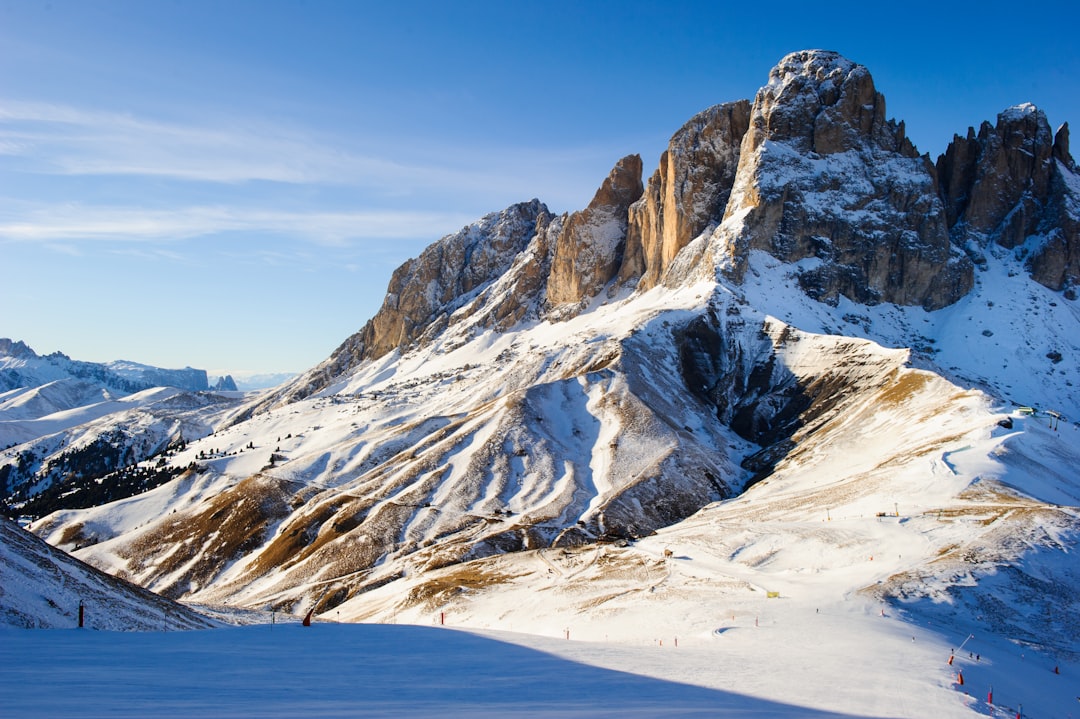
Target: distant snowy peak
[
  {"x": 15, "y": 349},
  {"x": 193, "y": 380},
  {"x": 21, "y": 367},
  {"x": 225, "y": 384}
]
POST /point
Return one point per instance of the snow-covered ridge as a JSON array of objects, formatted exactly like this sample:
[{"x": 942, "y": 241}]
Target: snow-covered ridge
[
  {"x": 44, "y": 588},
  {"x": 20, "y": 366}
]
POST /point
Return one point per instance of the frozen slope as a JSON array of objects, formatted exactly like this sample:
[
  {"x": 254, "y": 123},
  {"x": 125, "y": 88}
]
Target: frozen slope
[
  {"x": 1016, "y": 340},
  {"x": 43, "y": 588},
  {"x": 976, "y": 536}
]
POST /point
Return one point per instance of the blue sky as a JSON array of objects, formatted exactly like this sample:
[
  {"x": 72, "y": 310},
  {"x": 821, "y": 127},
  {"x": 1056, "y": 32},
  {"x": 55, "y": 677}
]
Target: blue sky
[{"x": 228, "y": 185}]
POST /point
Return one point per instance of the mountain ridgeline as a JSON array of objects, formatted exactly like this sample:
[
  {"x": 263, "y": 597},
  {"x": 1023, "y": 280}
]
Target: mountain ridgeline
[
  {"x": 811, "y": 169},
  {"x": 794, "y": 277},
  {"x": 21, "y": 367}
]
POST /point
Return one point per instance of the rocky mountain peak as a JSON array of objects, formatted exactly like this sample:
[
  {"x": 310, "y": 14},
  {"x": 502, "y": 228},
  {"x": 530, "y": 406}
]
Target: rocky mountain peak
[
  {"x": 688, "y": 191},
  {"x": 15, "y": 349},
  {"x": 1061, "y": 148},
  {"x": 824, "y": 176},
  {"x": 819, "y": 101},
  {"x": 425, "y": 291},
  {"x": 812, "y": 172}
]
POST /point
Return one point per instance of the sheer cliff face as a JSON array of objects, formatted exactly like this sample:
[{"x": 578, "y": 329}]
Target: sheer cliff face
[
  {"x": 687, "y": 193},
  {"x": 590, "y": 246},
  {"x": 1014, "y": 184},
  {"x": 824, "y": 177}
]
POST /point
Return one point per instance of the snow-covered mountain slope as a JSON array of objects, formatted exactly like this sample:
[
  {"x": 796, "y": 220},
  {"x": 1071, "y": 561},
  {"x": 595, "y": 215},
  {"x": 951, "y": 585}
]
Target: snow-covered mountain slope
[
  {"x": 911, "y": 520},
  {"x": 507, "y": 442},
  {"x": 100, "y": 446},
  {"x": 836, "y": 391},
  {"x": 43, "y": 587},
  {"x": 30, "y": 403},
  {"x": 1018, "y": 341}
]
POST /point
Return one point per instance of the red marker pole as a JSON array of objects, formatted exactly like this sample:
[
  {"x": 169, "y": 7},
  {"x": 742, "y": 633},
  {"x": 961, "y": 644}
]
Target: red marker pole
[{"x": 81, "y": 615}]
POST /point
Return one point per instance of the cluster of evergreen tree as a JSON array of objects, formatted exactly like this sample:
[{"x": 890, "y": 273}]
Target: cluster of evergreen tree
[
  {"x": 81, "y": 493},
  {"x": 100, "y": 472},
  {"x": 14, "y": 473}
]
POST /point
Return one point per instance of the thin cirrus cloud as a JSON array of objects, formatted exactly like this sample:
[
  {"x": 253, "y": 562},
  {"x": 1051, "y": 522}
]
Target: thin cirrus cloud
[
  {"x": 58, "y": 139},
  {"x": 52, "y": 139},
  {"x": 75, "y": 222}
]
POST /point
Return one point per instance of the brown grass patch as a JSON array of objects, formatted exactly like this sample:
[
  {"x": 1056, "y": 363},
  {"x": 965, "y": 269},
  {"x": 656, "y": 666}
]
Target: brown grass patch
[
  {"x": 74, "y": 534},
  {"x": 224, "y": 528},
  {"x": 905, "y": 386},
  {"x": 439, "y": 590}
]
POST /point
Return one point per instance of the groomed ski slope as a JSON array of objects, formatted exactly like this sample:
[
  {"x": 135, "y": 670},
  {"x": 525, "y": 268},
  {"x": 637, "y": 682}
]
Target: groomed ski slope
[{"x": 887, "y": 669}]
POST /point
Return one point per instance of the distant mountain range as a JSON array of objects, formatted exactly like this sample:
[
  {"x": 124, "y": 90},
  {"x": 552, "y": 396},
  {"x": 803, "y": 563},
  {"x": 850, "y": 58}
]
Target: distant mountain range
[
  {"x": 21, "y": 368},
  {"x": 64, "y": 423}
]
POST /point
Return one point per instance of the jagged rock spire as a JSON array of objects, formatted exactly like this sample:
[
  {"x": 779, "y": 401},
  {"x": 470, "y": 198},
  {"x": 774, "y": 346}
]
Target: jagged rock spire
[
  {"x": 1010, "y": 185},
  {"x": 589, "y": 249},
  {"x": 687, "y": 192}
]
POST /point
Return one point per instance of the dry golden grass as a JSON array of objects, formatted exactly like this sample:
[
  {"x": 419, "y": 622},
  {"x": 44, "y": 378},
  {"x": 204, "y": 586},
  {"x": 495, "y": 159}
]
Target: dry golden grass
[
  {"x": 905, "y": 385},
  {"x": 74, "y": 534},
  {"x": 440, "y": 589},
  {"x": 219, "y": 531}
]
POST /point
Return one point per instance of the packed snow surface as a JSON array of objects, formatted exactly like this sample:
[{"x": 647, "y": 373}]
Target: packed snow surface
[{"x": 856, "y": 664}]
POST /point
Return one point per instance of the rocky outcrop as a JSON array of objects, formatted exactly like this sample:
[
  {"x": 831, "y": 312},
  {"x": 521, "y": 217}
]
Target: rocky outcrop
[
  {"x": 225, "y": 384},
  {"x": 589, "y": 249},
  {"x": 424, "y": 292},
  {"x": 1011, "y": 184},
  {"x": 447, "y": 275},
  {"x": 824, "y": 176},
  {"x": 15, "y": 349},
  {"x": 687, "y": 193}
]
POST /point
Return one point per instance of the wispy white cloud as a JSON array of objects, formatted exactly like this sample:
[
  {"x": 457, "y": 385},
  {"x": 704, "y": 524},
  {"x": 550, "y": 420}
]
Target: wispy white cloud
[
  {"x": 58, "y": 139},
  {"x": 79, "y": 223}
]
